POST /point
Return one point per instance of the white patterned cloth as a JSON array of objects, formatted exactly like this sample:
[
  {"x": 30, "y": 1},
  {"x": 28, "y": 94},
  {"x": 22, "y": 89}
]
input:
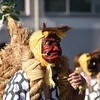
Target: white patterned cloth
[
  {"x": 95, "y": 95},
  {"x": 17, "y": 87}
]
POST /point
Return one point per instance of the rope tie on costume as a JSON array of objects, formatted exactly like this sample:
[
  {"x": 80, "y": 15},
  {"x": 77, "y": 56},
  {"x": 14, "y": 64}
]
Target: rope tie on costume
[
  {"x": 30, "y": 68},
  {"x": 48, "y": 76}
]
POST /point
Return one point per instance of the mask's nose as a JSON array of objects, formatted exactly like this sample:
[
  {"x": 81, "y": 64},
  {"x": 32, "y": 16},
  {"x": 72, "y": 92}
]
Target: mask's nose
[{"x": 56, "y": 48}]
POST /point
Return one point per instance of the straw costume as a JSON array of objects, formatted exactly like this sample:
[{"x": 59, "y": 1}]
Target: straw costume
[
  {"x": 89, "y": 67},
  {"x": 13, "y": 55}
]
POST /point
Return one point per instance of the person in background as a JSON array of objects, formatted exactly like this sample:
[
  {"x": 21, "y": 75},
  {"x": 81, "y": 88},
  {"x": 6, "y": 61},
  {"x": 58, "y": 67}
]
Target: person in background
[{"x": 88, "y": 64}]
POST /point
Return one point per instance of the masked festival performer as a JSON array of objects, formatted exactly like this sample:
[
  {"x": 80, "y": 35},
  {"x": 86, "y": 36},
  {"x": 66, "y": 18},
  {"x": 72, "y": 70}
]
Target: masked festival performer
[
  {"x": 88, "y": 64},
  {"x": 26, "y": 64}
]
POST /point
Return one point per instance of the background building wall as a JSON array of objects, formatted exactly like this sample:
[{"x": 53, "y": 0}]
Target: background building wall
[{"x": 83, "y": 37}]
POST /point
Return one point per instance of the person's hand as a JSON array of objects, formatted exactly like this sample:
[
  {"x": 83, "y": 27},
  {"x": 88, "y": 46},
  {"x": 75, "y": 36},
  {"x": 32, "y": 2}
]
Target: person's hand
[{"x": 76, "y": 80}]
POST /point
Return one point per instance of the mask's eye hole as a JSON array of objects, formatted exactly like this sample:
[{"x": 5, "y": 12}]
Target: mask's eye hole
[
  {"x": 48, "y": 42},
  {"x": 94, "y": 63}
]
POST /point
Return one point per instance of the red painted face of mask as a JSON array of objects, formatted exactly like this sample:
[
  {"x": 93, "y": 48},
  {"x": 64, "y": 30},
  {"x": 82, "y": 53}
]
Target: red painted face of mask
[{"x": 51, "y": 48}]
